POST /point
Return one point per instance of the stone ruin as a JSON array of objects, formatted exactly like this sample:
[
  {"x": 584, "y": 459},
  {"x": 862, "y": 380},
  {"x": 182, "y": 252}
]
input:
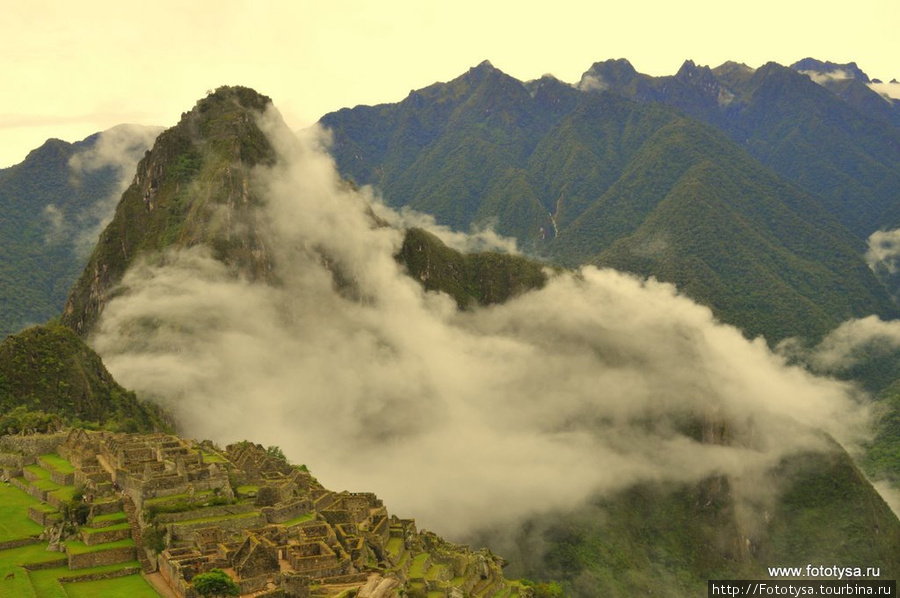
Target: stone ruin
[{"x": 268, "y": 524}]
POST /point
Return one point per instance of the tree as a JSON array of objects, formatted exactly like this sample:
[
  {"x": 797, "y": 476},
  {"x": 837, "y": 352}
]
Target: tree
[{"x": 215, "y": 583}]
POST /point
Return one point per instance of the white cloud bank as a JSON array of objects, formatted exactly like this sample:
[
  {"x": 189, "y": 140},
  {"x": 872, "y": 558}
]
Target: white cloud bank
[{"x": 457, "y": 419}]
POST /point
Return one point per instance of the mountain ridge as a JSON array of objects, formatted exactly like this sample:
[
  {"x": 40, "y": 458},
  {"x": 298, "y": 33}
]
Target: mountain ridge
[{"x": 541, "y": 168}]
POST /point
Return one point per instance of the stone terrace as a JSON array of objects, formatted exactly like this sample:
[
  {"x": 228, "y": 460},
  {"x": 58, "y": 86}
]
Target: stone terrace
[{"x": 186, "y": 508}]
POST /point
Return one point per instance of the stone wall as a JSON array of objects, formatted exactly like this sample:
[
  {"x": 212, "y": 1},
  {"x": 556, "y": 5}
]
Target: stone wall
[
  {"x": 33, "y": 444},
  {"x": 42, "y": 516},
  {"x": 13, "y": 462},
  {"x": 124, "y": 572},
  {"x": 19, "y": 543},
  {"x": 183, "y": 530},
  {"x": 112, "y": 556},
  {"x": 204, "y": 512},
  {"x": 287, "y": 511},
  {"x": 92, "y": 538}
]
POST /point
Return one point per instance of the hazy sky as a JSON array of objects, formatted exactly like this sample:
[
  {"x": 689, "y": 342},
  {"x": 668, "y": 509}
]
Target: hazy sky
[{"x": 73, "y": 68}]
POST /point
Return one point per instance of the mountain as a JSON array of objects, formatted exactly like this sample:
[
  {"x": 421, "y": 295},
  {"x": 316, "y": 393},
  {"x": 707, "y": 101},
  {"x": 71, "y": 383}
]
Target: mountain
[
  {"x": 189, "y": 510},
  {"x": 218, "y": 143},
  {"x": 193, "y": 226},
  {"x": 659, "y": 539},
  {"x": 50, "y": 378},
  {"x": 482, "y": 278},
  {"x": 53, "y": 206},
  {"x": 612, "y": 174},
  {"x": 838, "y": 142}
]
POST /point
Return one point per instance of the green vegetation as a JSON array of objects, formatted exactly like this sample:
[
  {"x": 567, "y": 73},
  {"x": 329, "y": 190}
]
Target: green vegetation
[
  {"x": 14, "y": 521},
  {"x": 215, "y": 583},
  {"x": 669, "y": 539},
  {"x": 78, "y": 547},
  {"x": 882, "y": 459},
  {"x": 202, "y": 162},
  {"x": 57, "y": 463},
  {"x": 132, "y": 586},
  {"x": 300, "y": 519},
  {"x": 639, "y": 186},
  {"x": 49, "y": 370},
  {"x": 46, "y": 582},
  {"x": 471, "y": 279},
  {"x": 38, "y": 259}
]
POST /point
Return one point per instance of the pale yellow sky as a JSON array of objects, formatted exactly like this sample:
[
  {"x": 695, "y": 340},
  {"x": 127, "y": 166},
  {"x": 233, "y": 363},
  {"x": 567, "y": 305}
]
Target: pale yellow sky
[{"x": 73, "y": 68}]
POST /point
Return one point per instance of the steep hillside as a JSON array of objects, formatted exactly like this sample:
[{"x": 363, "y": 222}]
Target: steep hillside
[
  {"x": 271, "y": 526},
  {"x": 471, "y": 279},
  {"x": 50, "y": 378},
  {"x": 839, "y": 142},
  {"x": 53, "y": 204},
  {"x": 591, "y": 176},
  {"x": 191, "y": 188},
  {"x": 672, "y": 442},
  {"x": 657, "y": 539}
]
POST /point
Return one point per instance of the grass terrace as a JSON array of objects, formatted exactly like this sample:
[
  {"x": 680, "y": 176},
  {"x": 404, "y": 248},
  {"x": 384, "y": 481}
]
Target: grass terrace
[
  {"x": 57, "y": 463},
  {"x": 108, "y": 528},
  {"x": 220, "y": 518},
  {"x": 14, "y": 521},
  {"x": 395, "y": 547},
  {"x": 300, "y": 519},
  {"x": 209, "y": 457},
  {"x": 47, "y": 584},
  {"x": 133, "y": 586},
  {"x": 78, "y": 547},
  {"x": 199, "y": 497},
  {"x": 247, "y": 491},
  {"x": 31, "y": 554},
  {"x": 417, "y": 569},
  {"x": 119, "y": 516}
]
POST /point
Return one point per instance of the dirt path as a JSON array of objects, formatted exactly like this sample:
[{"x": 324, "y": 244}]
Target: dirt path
[{"x": 159, "y": 584}]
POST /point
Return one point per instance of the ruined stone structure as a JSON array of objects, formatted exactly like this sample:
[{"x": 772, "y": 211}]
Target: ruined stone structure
[{"x": 270, "y": 525}]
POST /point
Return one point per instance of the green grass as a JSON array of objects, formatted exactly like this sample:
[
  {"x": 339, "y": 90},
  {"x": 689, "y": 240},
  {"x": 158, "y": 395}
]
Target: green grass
[
  {"x": 176, "y": 497},
  {"x": 133, "y": 586},
  {"x": 108, "y": 528},
  {"x": 76, "y": 547},
  {"x": 24, "y": 555},
  {"x": 418, "y": 566},
  {"x": 37, "y": 470},
  {"x": 434, "y": 572},
  {"x": 395, "y": 547},
  {"x": 19, "y": 585},
  {"x": 213, "y": 457},
  {"x": 46, "y": 581},
  {"x": 119, "y": 516},
  {"x": 219, "y": 518},
  {"x": 57, "y": 463},
  {"x": 247, "y": 490},
  {"x": 300, "y": 519},
  {"x": 14, "y": 521}
]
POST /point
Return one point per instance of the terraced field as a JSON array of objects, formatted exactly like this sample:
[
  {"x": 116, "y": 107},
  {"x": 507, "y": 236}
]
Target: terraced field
[{"x": 29, "y": 570}]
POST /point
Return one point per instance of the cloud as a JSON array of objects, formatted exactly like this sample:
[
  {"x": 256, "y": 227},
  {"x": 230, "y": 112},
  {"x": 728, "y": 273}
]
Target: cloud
[
  {"x": 591, "y": 82},
  {"x": 849, "y": 344},
  {"x": 119, "y": 148},
  {"x": 458, "y": 419},
  {"x": 479, "y": 239},
  {"x": 889, "y": 91},
  {"x": 822, "y": 78},
  {"x": 56, "y": 228},
  {"x": 884, "y": 250}
]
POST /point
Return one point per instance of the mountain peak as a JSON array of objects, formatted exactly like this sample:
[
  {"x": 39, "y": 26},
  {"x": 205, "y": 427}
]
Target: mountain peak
[
  {"x": 689, "y": 71},
  {"x": 818, "y": 70},
  {"x": 614, "y": 73}
]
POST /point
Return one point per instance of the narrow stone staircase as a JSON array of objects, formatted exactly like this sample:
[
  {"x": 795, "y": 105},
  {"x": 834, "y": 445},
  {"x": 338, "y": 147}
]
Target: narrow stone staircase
[{"x": 131, "y": 513}]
